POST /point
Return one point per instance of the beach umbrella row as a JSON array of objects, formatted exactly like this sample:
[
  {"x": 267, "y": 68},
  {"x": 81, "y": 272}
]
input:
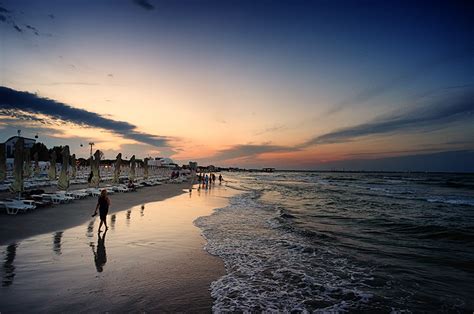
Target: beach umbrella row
[{"x": 22, "y": 167}]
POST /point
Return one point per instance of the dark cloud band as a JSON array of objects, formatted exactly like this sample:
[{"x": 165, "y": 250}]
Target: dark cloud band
[{"x": 12, "y": 100}]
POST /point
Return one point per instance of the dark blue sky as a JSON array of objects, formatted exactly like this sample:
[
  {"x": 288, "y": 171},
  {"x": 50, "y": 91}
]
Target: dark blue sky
[{"x": 291, "y": 82}]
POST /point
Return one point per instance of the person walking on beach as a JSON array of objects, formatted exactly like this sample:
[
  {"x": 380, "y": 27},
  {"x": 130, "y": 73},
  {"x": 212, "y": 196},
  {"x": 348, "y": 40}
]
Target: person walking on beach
[
  {"x": 103, "y": 204},
  {"x": 220, "y": 179},
  {"x": 206, "y": 180}
]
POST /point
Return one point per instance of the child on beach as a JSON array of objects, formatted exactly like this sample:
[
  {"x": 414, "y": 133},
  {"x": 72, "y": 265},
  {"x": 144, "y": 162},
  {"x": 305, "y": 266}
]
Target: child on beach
[{"x": 103, "y": 204}]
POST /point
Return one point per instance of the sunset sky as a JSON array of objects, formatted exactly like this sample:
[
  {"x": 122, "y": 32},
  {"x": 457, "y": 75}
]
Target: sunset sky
[{"x": 287, "y": 84}]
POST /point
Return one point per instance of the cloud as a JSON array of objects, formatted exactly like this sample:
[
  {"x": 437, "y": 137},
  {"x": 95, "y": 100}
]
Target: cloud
[
  {"x": 145, "y": 4},
  {"x": 14, "y": 101},
  {"x": 275, "y": 128},
  {"x": 35, "y": 31},
  {"x": 8, "y": 17},
  {"x": 436, "y": 114},
  {"x": 400, "y": 80},
  {"x": 250, "y": 150}
]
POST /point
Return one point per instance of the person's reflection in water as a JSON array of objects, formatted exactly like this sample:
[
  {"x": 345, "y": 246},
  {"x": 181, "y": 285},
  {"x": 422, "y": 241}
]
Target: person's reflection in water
[
  {"x": 90, "y": 229},
  {"x": 57, "y": 242},
  {"x": 129, "y": 212},
  {"x": 113, "y": 218},
  {"x": 100, "y": 256},
  {"x": 8, "y": 267}
]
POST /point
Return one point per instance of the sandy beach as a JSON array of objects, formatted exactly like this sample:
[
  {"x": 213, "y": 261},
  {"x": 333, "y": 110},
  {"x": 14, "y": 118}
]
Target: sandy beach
[
  {"x": 58, "y": 217},
  {"x": 150, "y": 259}
]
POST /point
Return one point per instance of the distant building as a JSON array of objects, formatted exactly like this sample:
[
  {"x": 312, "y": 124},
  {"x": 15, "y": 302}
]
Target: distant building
[{"x": 10, "y": 144}]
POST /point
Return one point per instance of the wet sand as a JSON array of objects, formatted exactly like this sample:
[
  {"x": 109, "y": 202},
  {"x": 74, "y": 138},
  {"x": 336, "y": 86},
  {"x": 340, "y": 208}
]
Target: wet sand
[
  {"x": 151, "y": 259},
  {"x": 63, "y": 216}
]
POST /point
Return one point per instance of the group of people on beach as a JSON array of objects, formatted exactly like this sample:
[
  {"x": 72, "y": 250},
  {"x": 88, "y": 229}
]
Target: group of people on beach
[{"x": 207, "y": 179}]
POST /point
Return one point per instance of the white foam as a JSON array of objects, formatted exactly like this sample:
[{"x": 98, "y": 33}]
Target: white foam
[{"x": 270, "y": 269}]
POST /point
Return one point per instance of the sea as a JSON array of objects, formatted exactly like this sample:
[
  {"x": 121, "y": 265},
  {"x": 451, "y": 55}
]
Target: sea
[{"x": 344, "y": 242}]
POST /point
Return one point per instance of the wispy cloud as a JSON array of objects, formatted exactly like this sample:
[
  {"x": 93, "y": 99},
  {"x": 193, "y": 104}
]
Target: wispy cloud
[
  {"x": 145, "y": 4},
  {"x": 14, "y": 101},
  {"x": 9, "y": 17},
  {"x": 400, "y": 80},
  {"x": 275, "y": 128},
  {"x": 437, "y": 112},
  {"x": 434, "y": 115},
  {"x": 250, "y": 150}
]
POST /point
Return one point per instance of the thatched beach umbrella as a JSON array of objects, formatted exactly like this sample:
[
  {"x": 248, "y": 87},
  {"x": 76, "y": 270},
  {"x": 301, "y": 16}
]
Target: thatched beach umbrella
[
  {"x": 17, "y": 185},
  {"x": 52, "y": 166},
  {"x": 27, "y": 163},
  {"x": 3, "y": 163},
  {"x": 95, "y": 169},
  {"x": 73, "y": 166},
  {"x": 37, "y": 169},
  {"x": 145, "y": 168},
  {"x": 131, "y": 175},
  {"x": 118, "y": 163},
  {"x": 63, "y": 181}
]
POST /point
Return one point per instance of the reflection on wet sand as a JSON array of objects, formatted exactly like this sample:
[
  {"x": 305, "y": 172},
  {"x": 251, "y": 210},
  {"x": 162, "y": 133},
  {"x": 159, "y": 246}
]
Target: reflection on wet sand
[
  {"x": 113, "y": 218},
  {"x": 129, "y": 212},
  {"x": 8, "y": 267},
  {"x": 90, "y": 229},
  {"x": 100, "y": 256},
  {"x": 57, "y": 242}
]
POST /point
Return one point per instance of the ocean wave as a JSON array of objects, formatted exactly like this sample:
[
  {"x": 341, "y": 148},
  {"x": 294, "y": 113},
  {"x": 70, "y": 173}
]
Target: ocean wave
[
  {"x": 271, "y": 269},
  {"x": 451, "y": 201}
]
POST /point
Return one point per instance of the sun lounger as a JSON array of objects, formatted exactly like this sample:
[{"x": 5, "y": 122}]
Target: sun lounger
[{"x": 13, "y": 206}]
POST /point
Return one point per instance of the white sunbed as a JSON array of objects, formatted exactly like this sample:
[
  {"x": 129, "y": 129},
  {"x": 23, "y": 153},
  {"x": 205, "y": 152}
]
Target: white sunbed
[{"x": 13, "y": 206}]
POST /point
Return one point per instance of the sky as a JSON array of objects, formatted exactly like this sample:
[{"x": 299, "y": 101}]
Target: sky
[{"x": 285, "y": 84}]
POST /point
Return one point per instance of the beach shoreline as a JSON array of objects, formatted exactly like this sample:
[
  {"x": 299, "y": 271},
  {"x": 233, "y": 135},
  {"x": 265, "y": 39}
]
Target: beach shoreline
[
  {"x": 62, "y": 216},
  {"x": 153, "y": 258}
]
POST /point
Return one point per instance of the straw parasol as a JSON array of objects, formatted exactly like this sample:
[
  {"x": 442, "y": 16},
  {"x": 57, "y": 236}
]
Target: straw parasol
[
  {"x": 52, "y": 166},
  {"x": 27, "y": 163},
  {"x": 63, "y": 182},
  {"x": 145, "y": 168},
  {"x": 131, "y": 175},
  {"x": 17, "y": 185},
  {"x": 95, "y": 169},
  {"x": 118, "y": 163}
]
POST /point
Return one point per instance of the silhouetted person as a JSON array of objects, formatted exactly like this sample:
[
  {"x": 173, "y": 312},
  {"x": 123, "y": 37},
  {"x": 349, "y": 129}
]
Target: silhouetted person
[
  {"x": 220, "y": 178},
  {"x": 100, "y": 257},
  {"x": 103, "y": 204}
]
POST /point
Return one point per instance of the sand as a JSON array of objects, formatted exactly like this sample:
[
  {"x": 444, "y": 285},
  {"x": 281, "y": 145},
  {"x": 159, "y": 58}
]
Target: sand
[
  {"x": 151, "y": 259},
  {"x": 63, "y": 216}
]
